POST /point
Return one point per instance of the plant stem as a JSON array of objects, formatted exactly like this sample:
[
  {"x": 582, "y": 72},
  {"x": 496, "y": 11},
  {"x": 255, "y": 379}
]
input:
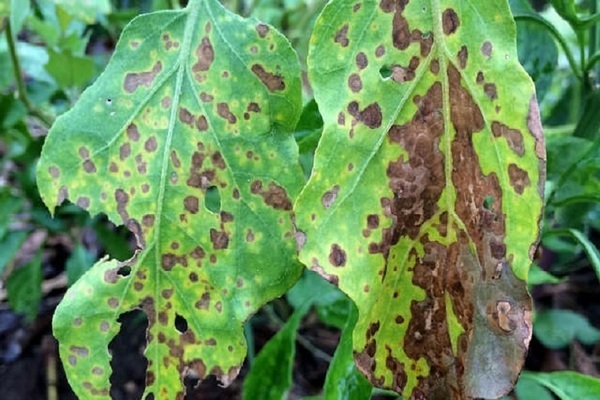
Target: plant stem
[{"x": 21, "y": 89}]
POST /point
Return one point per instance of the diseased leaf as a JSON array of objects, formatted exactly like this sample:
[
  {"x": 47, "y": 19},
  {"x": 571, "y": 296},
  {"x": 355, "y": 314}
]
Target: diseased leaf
[
  {"x": 425, "y": 197},
  {"x": 184, "y": 140}
]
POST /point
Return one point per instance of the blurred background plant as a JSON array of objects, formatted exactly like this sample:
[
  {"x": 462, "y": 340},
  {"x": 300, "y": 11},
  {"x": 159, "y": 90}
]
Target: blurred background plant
[{"x": 50, "y": 50}]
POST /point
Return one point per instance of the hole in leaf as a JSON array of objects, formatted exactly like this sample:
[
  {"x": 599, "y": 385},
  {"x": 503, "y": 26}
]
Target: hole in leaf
[
  {"x": 212, "y": 200},
  {"x": 124, "y": 270},
  {"x": 180, "y": 323},
  {"x": 129, "y": 366},
  {"x": 487, "y": 202},
  {"x": 385, "y": 72},
  {"x": 150, "y": 396},
  {"x": 109, "y": 102},
  {"x": 191, "y": 380}
]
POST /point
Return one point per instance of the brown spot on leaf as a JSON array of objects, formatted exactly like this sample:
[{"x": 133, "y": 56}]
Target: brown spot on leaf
[
  {"x": 272, "y": 81},
  {"x": 54, "y": 172},
  {"x": 341, "y": 36},
  {"x": 434, "y": 67},
  {"x": 519, "y": 178},
  {"x": 275, "y": 196},
  {"x": 512, "y": 136},
  {"x": 373, "y": 221},
  {"x": 490, "y": 91},
  {"x": 450, "y": 21},
  {"x": 148, "y": 220},
  {"x": 219, "y": 239},
  {"x": 486, "y": 49},
  {"x": 361, "y": 60},
  {"x": 201, "y": 123},
  {"x": 463, "y": 56},
  {"x": 337, "y": 256},
  {"x": 135, "y": 79},
  {"x": 204, "y": 301},
  {"x": 133, "y": 133},
  {"x": 262, "y": 30},
  {"x": 329, "y": 196},
  {"x": 370, "y": 116},
  {"x": 89, "y": 166},
  {"x": 83, "y": 202},
  {"x": 355, "y": 83},
  {"x": 122, "y": 199},
  {"x": 379, "y": 51},
  {"x": 224, "y": 112},
  {"x": 124, "y": 151},
  {"x": 205, "y": 56},
  {"x": 402, "y": 74},
  {"x": 186, "y": 116},
  {"x": 217, "y": 160},
  {"x": 190, "y": 203}
]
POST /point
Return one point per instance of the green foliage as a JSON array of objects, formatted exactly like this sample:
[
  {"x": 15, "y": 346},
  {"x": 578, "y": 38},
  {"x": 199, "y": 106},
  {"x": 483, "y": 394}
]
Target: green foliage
[{"x": 425, "y": 159}]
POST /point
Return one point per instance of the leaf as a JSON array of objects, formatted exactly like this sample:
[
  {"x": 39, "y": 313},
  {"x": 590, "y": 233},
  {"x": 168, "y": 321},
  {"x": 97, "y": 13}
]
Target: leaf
[
  {"x": 24, "y": 287},
  {"x": 9, "y": 247},
  {"x": 589, "y": 248},
  {"x": 538, "y": 276},
  {"x": 567, "y": 385},
  {"x": 271, "y": 374},
  {"x": 527, "y": 388},
  {"x": 537, "y": 49},
  {"x": 85, "y": 10},
  {"x": 194, "y": 103},
  {"x": 78, "y": 263},
  {"x": 558, "y": 328},
  {"x": 69, "y": 70},
  {"x": 425, "y": 197},
  {"x": 343, "y": 380}
]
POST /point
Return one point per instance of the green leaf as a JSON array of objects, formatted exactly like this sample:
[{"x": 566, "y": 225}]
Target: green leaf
[
  {"x": 558, "y": 328},
  {"x": 538, "y": 276},
  {"x": 588, "y": 125},
  {"x": 537, "y": 49},
  {"x": 69, "y": 70},
  {"x": 9, "y": 205},
  {"x": 271, "y": 374},
  {"x": 9, "y": 247},
  {"x": 193, "y": 101},
  {"x": 425, "y": 197},
  {"x": 589, "y": 248},
  {"x": 85, "y": 10},
  {"x": 567, "y": 385},
  {"x": 528, "y": 389},
  {"x": 343, "y": 380},
  {"x": 78, "y": 263},
  {"x": 24, "y": 287}
]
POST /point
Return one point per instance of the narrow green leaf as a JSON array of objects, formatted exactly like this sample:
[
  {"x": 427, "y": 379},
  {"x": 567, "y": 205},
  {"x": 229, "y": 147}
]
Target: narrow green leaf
[
  {"x": 78, "y": 263},
  {"x": 344, "y": 380},
  {"x": 24, "y": 287},
  {"x": 193, "y": 101},
  {"x": 9, "y": 247},
  {"x": 538, "y": 276},
  {"x": 558, "y": 328},
  {"x": 567, "y": 385},
  {"x": 271, "y": 375},
  {"x": 589, "y": 248},
  {"x": 426, "y": 194}
]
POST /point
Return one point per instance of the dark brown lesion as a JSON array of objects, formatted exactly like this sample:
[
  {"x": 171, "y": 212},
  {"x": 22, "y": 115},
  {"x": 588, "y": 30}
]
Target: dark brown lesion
[
  {"x": 341, "y": 36},
  {"x": 274, "y": 196},
  {"x": 133, "y": 80},
  {"x": 450, "y": 21},
  {"x": 205, "y": 55},
  {"x": 370, "y": 115},
  {"x": 273, "y": 82}
]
